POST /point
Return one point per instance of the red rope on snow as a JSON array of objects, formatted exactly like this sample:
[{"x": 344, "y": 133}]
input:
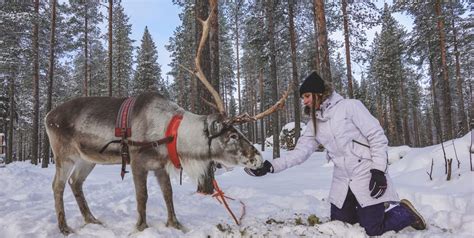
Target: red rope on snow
[{"x": 220, "y": 194}]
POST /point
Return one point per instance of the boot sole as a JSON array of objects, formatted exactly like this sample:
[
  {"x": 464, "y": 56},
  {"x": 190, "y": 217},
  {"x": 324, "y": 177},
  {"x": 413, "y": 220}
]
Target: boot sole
[{"x": 412, "y": 208}]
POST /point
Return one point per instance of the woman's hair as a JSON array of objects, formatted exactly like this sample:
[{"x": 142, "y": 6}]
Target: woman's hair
[
  {"x": 317, "y": 101},
  {"x": 315, "y": 104}
]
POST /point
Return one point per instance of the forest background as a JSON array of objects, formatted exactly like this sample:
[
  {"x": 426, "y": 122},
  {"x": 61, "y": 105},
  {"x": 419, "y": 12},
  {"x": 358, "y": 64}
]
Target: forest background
[{"x": 416, "y": 81}]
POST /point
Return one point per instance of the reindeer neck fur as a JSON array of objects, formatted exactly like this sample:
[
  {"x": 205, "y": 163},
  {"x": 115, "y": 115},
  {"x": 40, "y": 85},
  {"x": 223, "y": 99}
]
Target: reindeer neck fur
[{"x": 192, "y": 145}]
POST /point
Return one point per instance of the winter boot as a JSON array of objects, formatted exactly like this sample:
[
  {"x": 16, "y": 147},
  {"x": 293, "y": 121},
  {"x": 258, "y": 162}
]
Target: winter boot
[{"x": 419, "y": 223}]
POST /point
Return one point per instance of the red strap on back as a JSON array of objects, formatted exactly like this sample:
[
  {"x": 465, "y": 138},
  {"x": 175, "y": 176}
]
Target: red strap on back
[
  {"x": 122, "y": 124},
  {"x": 172, "y": 130}
]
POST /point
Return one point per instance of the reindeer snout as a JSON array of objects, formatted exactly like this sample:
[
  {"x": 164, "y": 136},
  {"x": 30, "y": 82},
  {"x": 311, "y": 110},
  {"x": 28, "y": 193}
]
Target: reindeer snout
[{"x": 255, "y": 163}]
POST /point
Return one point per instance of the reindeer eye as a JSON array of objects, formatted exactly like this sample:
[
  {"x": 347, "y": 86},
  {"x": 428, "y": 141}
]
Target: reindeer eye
[
  {"x": 216, "y": 128},
  {"x": 234, "y": 136}
]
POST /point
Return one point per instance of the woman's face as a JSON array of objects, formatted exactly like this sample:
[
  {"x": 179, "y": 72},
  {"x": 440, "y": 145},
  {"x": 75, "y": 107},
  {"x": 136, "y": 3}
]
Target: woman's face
[{"x": 307, "y": 99}]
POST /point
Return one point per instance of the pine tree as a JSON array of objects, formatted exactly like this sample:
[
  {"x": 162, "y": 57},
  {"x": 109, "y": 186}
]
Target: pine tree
[
  {"x": 275, "y": 124},
  {"x": 338, "y": 75},
  {"x": 357, "y": 17},
  {"x": 182, "y": 47},
  {"x": 226, "y": 59},
  {"x": 387, "y": 69},
  {"x": 236, "y": 12},
  {"x": 83, "y": 26},
  {"x": 122, "y": 51},
  {"x": 295, "y": 80},
  {"x": 448, "y": 123},
  {"x": 16, "y": 21},
  {"x": 98, "y": 81},
  {"x": 35, "y": 41},
  {"x": 52, "y": 43},
  {"x": 456, "y": 10},
  {"x": 148, "y": 73},
  {"x": 110, "y": 51}
]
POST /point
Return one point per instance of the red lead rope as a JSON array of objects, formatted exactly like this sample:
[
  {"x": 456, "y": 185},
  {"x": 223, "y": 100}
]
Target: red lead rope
[{"x": 220, "y": 194}]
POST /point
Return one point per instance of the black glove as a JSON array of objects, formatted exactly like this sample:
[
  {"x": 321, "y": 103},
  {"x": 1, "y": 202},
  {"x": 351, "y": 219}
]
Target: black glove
[
  {"x": 266, "y": 167},
  {"x": 378, "y": 183}
]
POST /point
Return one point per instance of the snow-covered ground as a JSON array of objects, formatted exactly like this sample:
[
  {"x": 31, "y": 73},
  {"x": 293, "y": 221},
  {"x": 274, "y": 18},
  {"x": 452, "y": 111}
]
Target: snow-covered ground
[{"x": 276, "y": 205}]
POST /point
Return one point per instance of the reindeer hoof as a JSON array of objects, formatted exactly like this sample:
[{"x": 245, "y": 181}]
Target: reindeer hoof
[
  {"x": 93, "y": 220},
  {"x": 66, "y": 230},
  {"x": 175, "y": 224},
  {"x": 142, "y": 226}
]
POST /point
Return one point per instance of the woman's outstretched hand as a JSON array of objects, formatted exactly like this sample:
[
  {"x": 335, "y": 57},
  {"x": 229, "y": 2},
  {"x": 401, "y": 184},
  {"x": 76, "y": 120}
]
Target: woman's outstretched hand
[{"x": 266, "y": 168}]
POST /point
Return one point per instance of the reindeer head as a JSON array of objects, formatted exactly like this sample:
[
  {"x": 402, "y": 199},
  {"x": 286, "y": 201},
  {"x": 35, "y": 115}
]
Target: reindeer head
[{"x": 233, "y": 147}]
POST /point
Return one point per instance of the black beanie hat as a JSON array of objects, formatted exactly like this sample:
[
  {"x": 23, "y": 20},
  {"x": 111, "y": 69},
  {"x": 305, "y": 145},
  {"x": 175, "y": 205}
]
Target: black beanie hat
[{"x": 313, "y": 83}]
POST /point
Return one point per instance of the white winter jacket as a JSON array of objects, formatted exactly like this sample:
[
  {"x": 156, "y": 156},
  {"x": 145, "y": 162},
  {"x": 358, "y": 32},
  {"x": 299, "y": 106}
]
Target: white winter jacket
[{"x": 354, "y": 141}]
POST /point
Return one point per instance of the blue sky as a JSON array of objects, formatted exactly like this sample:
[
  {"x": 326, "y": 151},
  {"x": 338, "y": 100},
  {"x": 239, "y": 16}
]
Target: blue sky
[{"x": 161, "y": 17}]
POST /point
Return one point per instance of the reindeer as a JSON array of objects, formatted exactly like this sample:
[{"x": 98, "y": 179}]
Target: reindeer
[{"x": 79, "y": 128}]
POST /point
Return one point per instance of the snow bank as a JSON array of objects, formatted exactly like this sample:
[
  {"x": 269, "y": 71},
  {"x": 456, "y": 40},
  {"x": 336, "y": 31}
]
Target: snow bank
[{"x": 277, "y": 205}]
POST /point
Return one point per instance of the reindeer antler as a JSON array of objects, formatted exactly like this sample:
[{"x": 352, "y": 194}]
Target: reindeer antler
[
  {"x": 244, "y": 118},
  {"x": 197, "y": 61}
]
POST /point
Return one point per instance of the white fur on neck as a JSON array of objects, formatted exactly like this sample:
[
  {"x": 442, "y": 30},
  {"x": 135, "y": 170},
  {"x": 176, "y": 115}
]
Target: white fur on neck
[{"x": 195, "y": 169}]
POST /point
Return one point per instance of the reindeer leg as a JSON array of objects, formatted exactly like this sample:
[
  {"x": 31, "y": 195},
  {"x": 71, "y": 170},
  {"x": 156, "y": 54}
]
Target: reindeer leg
[
  {"x": 81, "y": 170},
  {"x": 165, "y": 185},
  {"x": 139, "y": 179},
  {"x": 63, "y": 168}
]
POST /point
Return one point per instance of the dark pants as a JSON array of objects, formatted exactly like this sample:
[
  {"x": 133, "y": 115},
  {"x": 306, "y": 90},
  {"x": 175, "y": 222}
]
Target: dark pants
[{"x": 373, "y": 218}]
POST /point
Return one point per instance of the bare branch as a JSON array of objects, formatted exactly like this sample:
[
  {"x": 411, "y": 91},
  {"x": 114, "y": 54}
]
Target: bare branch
[{"x": 431, "y": 171}]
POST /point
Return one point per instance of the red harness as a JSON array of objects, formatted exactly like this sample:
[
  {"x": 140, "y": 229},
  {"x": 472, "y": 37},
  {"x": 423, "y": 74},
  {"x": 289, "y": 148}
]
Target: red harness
[
  {"x": 172, "y": 131},
  {"x": 122, "y": 124},
  {"x": 123, "y": 130}
]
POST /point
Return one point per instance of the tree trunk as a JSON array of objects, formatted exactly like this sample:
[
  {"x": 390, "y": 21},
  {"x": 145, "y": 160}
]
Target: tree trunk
[
  {"x": 348, "y": 48},
  {"x": 404, "y": 111},
  {"x": 317, "y": 57},
  {"x": 416, "y": 128},
  {"x": 214, "y": 47},
  {"x": 323, "y": 40},
  {"x": 379, "y": 106},
  {"x": 296, "y": 96},
  {"x": 270, "y": 9},
  {"x": 463, "y": 128},
  {"x": 448, "y": 123},
  {"x": 49, "y": 103},
  {"x": 20, "y": 148},
  {"x": 86, "y": 55},
  {"x": 34, "y": 136},
  {"x": 238, "y": 54},
  {"x": 428, "y": 129},
  {"x": 110, "y": 47},
  {"x": 395, "y": 119},
  {"x": 194, "y": 94},
  {"x": 11, "y": 115},
  {"x": 202, "y": 12},
  {"x": 262, "y": 103},
  {"x": 436, "y": 115},
  {"x": 252, "y": 111},
  {"x": 179, "y": 80}
]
